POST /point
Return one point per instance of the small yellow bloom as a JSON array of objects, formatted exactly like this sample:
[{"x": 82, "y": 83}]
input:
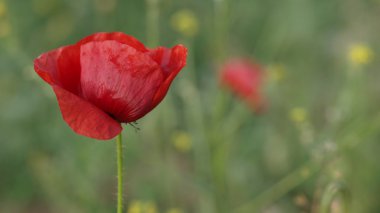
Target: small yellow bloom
[
  {"x": 150, "y": 207},
  {"x": 135, "y": 207},
  {"x": 59, "y": 27},
  {"x": 305, "y": 172},
  {"x": 5, "y": 28},
  {"x": 360, "y": 54},
  {"x": 3, "y": 9},
  {"x": 298, "y": 115},
  {"x": 301, "y": 200},
  {"x": 105, "y": 6},
  {"x": 276, "y": 72},
  {"x": 142, "y": 207},
  {"x": 182, "y": 141},
  {"x": 44, "y": 7},
  {"x": 185, "y": 22},
  {"x": 174, "y": 210}
]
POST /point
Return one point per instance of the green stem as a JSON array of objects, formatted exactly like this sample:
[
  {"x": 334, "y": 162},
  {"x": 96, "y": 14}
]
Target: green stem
[
  {"x": 221, "y": 28},
  {"x": 334, "y": 191},
  {"x": 280, "y": 188},
  {"x": 119, "y": 151},
  {"x": 152, "y": 22}
]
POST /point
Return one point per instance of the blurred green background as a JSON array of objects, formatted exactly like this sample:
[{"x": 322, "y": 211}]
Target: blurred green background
[{"x": 202, "y": 149}]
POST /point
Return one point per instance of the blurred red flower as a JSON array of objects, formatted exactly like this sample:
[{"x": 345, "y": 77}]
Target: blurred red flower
[
  {"x": 107, "y": 79},
  {"x": 244, "y": 79}
]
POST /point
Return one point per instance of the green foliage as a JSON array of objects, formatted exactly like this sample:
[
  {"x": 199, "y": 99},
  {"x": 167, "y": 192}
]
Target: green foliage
[{"x": 202, "y": 150}]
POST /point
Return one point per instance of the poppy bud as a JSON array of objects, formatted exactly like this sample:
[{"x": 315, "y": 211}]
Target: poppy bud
[{"x": 107, "y": 79}]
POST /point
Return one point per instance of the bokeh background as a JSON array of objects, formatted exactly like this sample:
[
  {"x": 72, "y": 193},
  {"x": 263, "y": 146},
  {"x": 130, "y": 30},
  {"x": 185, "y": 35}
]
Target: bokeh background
[{"x": 203, "y": 149}]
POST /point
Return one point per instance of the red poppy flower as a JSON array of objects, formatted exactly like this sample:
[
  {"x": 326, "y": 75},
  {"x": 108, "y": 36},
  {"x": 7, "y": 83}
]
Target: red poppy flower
[
  {"x": 244, "y": 79},
  {"x": 107, "y": 79}
]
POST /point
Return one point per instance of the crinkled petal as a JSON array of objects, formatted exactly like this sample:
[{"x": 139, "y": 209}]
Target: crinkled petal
[
  {"x": 244, "y": 79},
  {"x": 46, "y": 66},
  {"x": 60, "y": 67},
  {"x": 85, "y": 118},
  {"x": 171, "y": 62},
  {"x": 118, "y": 79},
  {"x": 115, "y": 36}
]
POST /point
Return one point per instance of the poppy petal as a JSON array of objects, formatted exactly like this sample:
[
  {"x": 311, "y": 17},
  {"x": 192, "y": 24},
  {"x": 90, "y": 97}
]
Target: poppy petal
[
  {"x": 46, "y": 66},
  {"x": 244, "y": 78},
  {"x": 84, "y": 118},
  {"x": 106, "y": 79},
  {"x": 171, "y": 62},
  {"x": 115, "y": 36},
  {"x": 118, "y": 79},
  {"x": 60, "y": 67}
]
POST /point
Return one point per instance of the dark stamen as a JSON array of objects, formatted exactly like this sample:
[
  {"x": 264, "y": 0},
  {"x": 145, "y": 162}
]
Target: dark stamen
[{"x": 134, "y": 125}]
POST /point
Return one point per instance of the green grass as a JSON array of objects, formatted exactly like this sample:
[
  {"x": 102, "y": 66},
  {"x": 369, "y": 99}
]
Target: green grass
[{"x": 239, "y": 161}]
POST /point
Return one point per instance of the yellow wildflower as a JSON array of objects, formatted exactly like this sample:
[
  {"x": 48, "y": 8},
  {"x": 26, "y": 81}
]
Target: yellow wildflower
[
  {"x": 305, "y": 172},
  {"x": 360, "y": 54},
  {"x": 150, "y": 207},
  {"x": 59, "y": 27},
  {"x": 276, "y": 72},
  {"x": 3, "y": 9},
  {"x": 301, "y": 200},
  {"x": 5, "y": 28},
  {"x": 174, "y": 210},
  {"x": 182, "y": 141},
  {"x": 142, "y": 207},
  {"x": 185, "y": 22},
  {"x": 135, "y": 207},
  {"x": 44, "y": 7},
  {"x": 105, "y": 6},
  {"x": 298, "y": 115}
]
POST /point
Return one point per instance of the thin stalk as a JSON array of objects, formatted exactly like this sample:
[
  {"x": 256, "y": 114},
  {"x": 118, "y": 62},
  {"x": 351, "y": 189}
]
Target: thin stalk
[
  {"x": 119, "y": 151},
  {"x": 219, "y": 153},
  {"x": 280, "y": 188},
  {"x": 152, "y": 24},
  {"x": 334, "y": 191},
  {"x": 221, "y": 23}
]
